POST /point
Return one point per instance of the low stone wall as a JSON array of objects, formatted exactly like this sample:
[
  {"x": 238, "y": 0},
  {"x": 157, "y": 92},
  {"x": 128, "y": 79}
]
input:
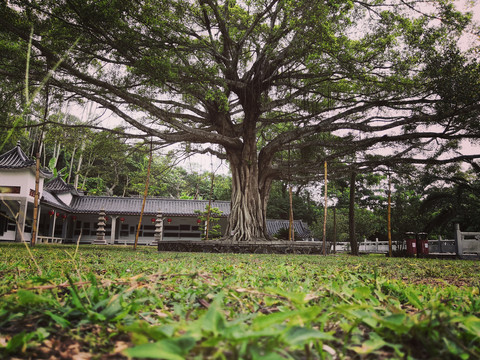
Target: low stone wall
[{"x": 277, "y": 247}]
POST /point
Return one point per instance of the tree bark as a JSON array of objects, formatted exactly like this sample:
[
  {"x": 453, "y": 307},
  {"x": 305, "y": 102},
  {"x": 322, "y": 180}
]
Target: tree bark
[
  {"x": 351, "y": 215},
  {"x": 247, "y": 220}
]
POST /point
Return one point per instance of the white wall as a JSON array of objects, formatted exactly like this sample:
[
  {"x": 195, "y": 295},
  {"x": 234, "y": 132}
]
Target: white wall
[{"x": 24, "y": 178}]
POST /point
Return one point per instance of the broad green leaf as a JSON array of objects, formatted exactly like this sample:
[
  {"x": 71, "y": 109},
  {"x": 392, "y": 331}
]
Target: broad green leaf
[
  {"x": 213, "y": 320},
  {"x": 266, "y": 321},
  {"x": 362, "y": 292},
  {"x": 472, "y": 324},
  {"x": 58, "y": 319},
  {"x": 299, "y": 335},
  {"x": 294, "y": 317},
  {"x": 26, "y": 297},
  {"x": 414, "y": 299},
  {"x": 374, "y": 343},
  {"x": 168, "y": 349},
  {"x": 270, "y": 332},
  {"x": 367, "y": 316},
  {"x": 396, "y": 322},
  {"x": 112, "y": 308}
]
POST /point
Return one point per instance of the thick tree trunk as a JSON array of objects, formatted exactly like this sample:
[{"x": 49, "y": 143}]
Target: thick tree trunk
[{"x": 247, "y": 220}]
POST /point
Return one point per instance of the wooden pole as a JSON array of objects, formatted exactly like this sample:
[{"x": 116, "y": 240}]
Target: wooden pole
[
  {"x": 389, "y": 216},
  {"x": 33, "y": 240},
  {"x": 291, "y": 232},
  {"x": 325, "y": 213},
  {"x": 334, "y": 230},
  {"x": 144, "y": 196}
]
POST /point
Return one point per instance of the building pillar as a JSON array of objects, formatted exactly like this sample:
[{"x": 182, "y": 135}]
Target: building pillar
[
  {"x": 39, "y": 213},
  {"x": 53, "y": 224},
  {"x": 113, "y": 230},
  {"x": 458, "y": 240},
  {"x": 64, "y": 228},
  {"x": 21, "y": 218}
]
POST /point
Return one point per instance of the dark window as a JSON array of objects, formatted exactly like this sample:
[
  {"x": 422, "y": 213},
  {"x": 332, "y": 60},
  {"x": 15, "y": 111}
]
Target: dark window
[
  {"x": 189, "y": 235},
  {"x": 185, "y": 227},
  {"x": 86, "y": 228},
  {"x": 170, "y": 234},
  {"x": 148, "y": 227},
  {"x": 3, "y": 223},
  {"x": 171, "y": 227},
  {"x": 195, "y": 228},
  {"x": 125, "y": 227},
  {"x": 148, "y": 234},
  {"x": 11, "y": 226}
]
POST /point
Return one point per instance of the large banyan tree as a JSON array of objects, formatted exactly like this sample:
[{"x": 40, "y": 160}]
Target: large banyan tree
[{"x": 251, "y": 81}]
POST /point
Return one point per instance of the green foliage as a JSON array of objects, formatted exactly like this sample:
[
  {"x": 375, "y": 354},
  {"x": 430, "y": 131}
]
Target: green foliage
[
  {"x": 210, "y": 216},
  {"x": 283, "y": 234},
  {"x": 304, "y": 207}
]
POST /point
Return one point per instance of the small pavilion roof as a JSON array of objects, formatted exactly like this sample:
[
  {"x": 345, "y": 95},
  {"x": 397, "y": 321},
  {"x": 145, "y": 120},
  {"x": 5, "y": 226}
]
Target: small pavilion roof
[
  {"x": 16, "y": 159},
  {"x": 59, "y": 186},
  {"x": 53, "y": 200}
]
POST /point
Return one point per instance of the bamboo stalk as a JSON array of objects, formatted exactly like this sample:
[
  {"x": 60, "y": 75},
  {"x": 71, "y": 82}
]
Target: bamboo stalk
[
  {"x": 291, "y": 232},
  {"x": 33, "y": 240},
  {"x": 389, "y": 216},
  {"x": 325, "y": 213},
  {"x": 144, "y": 196},
  {"x": 334, "y": 230}
]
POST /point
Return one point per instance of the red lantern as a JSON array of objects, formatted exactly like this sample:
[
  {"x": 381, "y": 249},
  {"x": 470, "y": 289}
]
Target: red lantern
[
  {"x": 64, "y": 216},
  {"x": 106, "y": 218},
  {"x": 74, "y": 218},
  {"x": 122, "y": 219},
  {"x": 57, "y": 215},
  {"x": 153, "y": 220},
  {"x": 51, "y": 212},
  {"x": 169, "y": 220},
  {"x": 199, "y": 221}
]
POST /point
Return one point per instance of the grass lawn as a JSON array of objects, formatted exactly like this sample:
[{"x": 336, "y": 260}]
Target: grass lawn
[{"x": 113, "y": 303}]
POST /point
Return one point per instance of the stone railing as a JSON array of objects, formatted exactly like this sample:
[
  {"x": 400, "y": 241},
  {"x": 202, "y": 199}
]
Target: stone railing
[{"x": 468, "y": 243}]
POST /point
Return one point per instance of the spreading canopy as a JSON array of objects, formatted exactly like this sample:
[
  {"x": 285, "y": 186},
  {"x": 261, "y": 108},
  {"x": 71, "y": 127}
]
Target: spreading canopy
[{"x": 252, "y": 79}]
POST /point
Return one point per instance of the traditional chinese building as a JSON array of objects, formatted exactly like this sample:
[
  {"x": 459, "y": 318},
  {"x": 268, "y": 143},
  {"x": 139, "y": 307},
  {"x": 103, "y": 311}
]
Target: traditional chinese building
[{"x": 65, "y": 214}]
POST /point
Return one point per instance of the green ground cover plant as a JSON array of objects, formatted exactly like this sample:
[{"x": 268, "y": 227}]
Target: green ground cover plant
[{"x": 99, "y": 302}]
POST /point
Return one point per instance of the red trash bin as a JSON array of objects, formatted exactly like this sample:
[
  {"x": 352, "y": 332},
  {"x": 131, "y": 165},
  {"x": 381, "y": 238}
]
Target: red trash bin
[
  {"x": 411, "y": 243},
  {"x": 422, "y": 244}
]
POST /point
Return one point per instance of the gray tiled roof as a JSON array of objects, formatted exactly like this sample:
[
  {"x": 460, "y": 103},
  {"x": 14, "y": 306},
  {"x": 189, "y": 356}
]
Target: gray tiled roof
[
  {"x": 273, "y": 226},
  {"x": 16, "y": 159},
  {"x": 53, "y": 200},
  {"x": 58, "y": 186},
  {"x": 133, "y": 206}
]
